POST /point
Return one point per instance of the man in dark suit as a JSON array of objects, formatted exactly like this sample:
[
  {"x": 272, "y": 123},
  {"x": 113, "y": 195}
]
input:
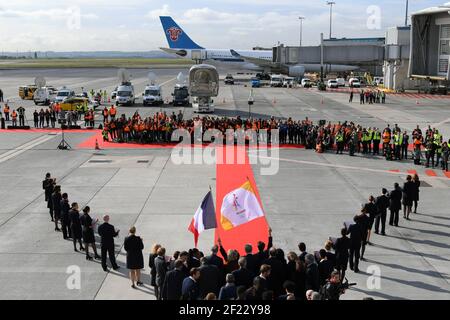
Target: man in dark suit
[
  {"x": 277, "y": 274},
  {"x": 371, "y": 209},
  {"x": 65, "y": 220},
  {"x": 243, "y": 276},
  {"x": 382, "y": 204},
  {"x": 395, "y": 204},
  {"x": 190, "y": 288},
  {"x": 173, "y": 282},
  {"x": 325, "y": 267},
  {"x": 312, "y": 273},
  {"x": 263, "y": 253},
  {"x": 209, "y": 279},
  {"x": 214, "y": 259},
  {"x": 303, "y": 253},
  {"x": 251, "y": 262},
  {"x": 408, "y": 195},
  {"x": 356, "y": 238},
  {"x": 107, "y": 233}
]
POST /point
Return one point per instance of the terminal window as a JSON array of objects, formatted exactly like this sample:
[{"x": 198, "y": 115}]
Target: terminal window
[{"x": 444, "y": 49}]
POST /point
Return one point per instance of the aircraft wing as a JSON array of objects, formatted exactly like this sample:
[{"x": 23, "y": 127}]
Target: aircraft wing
[
  {"x": 179, "y": 52},
  {"x": 257, "y": 61}
]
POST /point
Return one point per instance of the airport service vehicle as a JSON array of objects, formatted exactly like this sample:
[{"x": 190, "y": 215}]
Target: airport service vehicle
[
  {"x": 256, "y": 83},
  {"x": 341, "y": 82},
  {"x": 27, "y": 92},
  {"x": 288, "y": 82},
  {"x": 71, "y": 104},
  {"x": 44, "y": 95},
  {"x": 125, "y": 94},
  {"x": 63, "y": 94},
  {"x": 276, "y": 80},
  {"x": 203, "y": 86},
  {"x": 378, "y": 81},
  {"x": 181, "y": 45},
  {"x": 306, "y": 83},
  {"x": 332, "y": 83},
  {"x": 229, "y": 79},
  {"x": 152, "y": 95},
  {"x": 354, "y": 83},
  {"x": 180, "y": 95}
]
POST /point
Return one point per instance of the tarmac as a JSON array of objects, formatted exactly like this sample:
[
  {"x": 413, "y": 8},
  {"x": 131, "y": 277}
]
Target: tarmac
[{"x": 307, "y": 200}]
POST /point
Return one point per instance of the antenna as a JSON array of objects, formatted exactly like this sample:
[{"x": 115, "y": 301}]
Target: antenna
[{"x": 39, "y": 82}]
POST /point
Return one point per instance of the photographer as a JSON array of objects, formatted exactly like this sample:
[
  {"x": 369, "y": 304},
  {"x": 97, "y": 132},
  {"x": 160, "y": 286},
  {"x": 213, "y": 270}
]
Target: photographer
[{"x": 333, "y": 289}]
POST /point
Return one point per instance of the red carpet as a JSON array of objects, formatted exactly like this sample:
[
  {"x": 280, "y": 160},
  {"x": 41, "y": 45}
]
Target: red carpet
[
  {"x": 431, "y": 173},
  {"x": 228, "y": 178}
]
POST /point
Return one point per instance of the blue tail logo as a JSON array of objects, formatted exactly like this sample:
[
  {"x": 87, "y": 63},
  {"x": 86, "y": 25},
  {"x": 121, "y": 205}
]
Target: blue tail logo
[{"x": 176, "y": 37}]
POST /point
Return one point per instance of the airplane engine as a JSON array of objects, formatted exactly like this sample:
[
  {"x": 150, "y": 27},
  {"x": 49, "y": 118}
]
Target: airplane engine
[{"x": 296, "y": 71}]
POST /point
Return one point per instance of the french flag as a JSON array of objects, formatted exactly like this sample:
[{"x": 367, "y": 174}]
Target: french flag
[{"x": 204, "y": 217}]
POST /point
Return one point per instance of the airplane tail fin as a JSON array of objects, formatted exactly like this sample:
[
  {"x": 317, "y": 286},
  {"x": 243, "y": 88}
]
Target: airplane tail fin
[{"x": 176, "y": 37}]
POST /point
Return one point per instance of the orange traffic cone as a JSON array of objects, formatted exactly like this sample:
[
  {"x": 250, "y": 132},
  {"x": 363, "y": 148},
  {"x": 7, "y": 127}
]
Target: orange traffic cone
[{"x": 97, "y": 147}]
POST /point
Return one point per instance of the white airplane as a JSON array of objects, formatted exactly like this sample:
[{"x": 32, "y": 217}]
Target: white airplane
[{"x": 182, "y": 45}]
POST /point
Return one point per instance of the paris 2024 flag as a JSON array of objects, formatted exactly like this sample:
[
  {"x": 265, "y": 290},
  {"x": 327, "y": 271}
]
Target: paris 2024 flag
[
  {"x": 204, "y": 217},
  {"x": 240, "y": 206}
]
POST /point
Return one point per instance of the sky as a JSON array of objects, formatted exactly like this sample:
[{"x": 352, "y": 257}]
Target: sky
[{"x": 133, "y": 25}]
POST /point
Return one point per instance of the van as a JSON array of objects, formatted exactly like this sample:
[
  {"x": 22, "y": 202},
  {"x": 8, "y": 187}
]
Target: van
[
  {"x": 125, "y": 94},
  {"x": 152, "y": 95},
  {"x": 288, "y": 82},
  {"x": 332, "y": 83},
  {"x": 276, "y": 81},
  {"x": 341, "y": 82},
  {"x": 44, "y": 95},
  {"x": 354, "y": 83},
  {"x": 63, "y": 94},
  {"x": 306, "y": 83}
]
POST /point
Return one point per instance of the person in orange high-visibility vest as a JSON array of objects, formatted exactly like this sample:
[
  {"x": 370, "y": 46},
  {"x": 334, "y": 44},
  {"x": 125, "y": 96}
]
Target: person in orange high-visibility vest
[
  {"x": 112, "y": 113},
  {"x": 105, "y": 114},
  {"x": 6, "y": 112},
  {"x": 14, "y": 118}
]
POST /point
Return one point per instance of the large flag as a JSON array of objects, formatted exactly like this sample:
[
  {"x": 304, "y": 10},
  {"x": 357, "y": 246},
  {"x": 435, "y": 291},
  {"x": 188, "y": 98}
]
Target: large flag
[
  {"x": 204, "y": 217},
  {"x": 240, "y": 206}
]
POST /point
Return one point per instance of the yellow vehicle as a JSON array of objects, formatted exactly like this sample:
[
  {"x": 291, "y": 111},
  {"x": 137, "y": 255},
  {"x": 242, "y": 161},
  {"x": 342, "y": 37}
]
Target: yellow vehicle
[
  {"x": 27, "y": 92},
  {"x": 71, "y": 104}
]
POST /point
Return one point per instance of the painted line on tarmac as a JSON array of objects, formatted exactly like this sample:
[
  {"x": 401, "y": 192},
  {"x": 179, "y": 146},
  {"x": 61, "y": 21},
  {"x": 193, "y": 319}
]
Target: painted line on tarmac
[
  {"x": 25, "y": 147},
  {"x": 338, "y": 166}
]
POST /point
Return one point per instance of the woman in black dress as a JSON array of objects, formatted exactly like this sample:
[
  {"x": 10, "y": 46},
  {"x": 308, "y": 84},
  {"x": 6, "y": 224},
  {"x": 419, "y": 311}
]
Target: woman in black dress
[
  {"x": 88, "y": 233},
  {"x": 56, "y": 205},
  {"x": 342, "y": 249},
  {"x": 75, "y": 226},
  {"x": 415, "y": 199},
  {"x": 135, "y": 260},
  {"x": 151, "y": 264}
]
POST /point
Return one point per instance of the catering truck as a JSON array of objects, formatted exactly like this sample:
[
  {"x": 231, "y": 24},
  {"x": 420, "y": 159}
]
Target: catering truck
[{"x": 203, "y": 87}]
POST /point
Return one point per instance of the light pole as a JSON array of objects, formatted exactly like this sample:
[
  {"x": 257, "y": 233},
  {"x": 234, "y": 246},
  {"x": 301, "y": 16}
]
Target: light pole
[
  {"x": 301, "y": 29},
  {"x": 331, "y": 3},
  {"x": 406, "y": 15},
  {"x": 251, "y": 100}
]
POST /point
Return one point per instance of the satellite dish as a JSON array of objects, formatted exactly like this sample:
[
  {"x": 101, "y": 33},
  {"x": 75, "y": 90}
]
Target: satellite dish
[
  {"x": 40, "y": 82},
  {"x": 123, "y": 75},
  {"x": 151, "y": 77},
  {"x": 181, "y": 78}
]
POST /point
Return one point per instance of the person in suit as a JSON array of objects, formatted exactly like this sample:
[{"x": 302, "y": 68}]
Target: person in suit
[
  {"x": 251, "y": 262},
  {"x": 243, "y": 276},
  {"x": 48, "y": 179},
  {"x": 415, "y": 198},
  {"x": 209, "y": 278},
  {"x": 312, "y": 273},
  {"x": 56, "y": 204},
  {"x": 65, "y": 220},
  {"x": 303, "y": 253},
  {"x": 409, "y": 191},
  {"x": 277, "y": 274},
  {"x": 342, "y": 247},
  {"x": 135, "y": 260},
  {"x": 395, "y": 204},
  {"x": 87, "y": 225},
  {"x": 365, "y": 223},
  {"x": 382, "y": 203},
  {"x": 214, "y": 259},
  {"x": 107, "y": 233},
  {"x": 194, "y": 258},
  {"x": 75, "y": 226},
  {"x": 356, "y": 233},
  {"x": 263, "y": 252},
  {"x": 173, "y": 282},
  {"x": 259, "y": 287},
  {"x": 161, "y": 270},
  {"x": 296, "y": 272},
  {"x": 49, "y": 189},
  {"x": 228, "y": 291},
  {"x": 371, "y": 209},
  {"x": 325, "y": 267},
  {"x": 151, "y": 264},
  {"x": 289, "y": 288},
  {"x": 190, "y": 288}
]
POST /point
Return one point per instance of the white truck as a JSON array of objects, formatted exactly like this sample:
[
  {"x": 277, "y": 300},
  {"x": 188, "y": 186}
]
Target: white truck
[
  {"x": 44, "y": 95},
  {"x": 276, "y": 80},
  {"x": 288, "y": 82},
  {"x": 125, "y": 94},
  {"x": 152, "y": 95}
]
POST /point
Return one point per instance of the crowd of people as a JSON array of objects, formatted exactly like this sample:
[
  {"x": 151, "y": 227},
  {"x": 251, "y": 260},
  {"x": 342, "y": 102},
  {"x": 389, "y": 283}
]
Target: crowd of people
[
  {"x": 369, "y": 96},
  {"x": 267, "y": 274}
]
